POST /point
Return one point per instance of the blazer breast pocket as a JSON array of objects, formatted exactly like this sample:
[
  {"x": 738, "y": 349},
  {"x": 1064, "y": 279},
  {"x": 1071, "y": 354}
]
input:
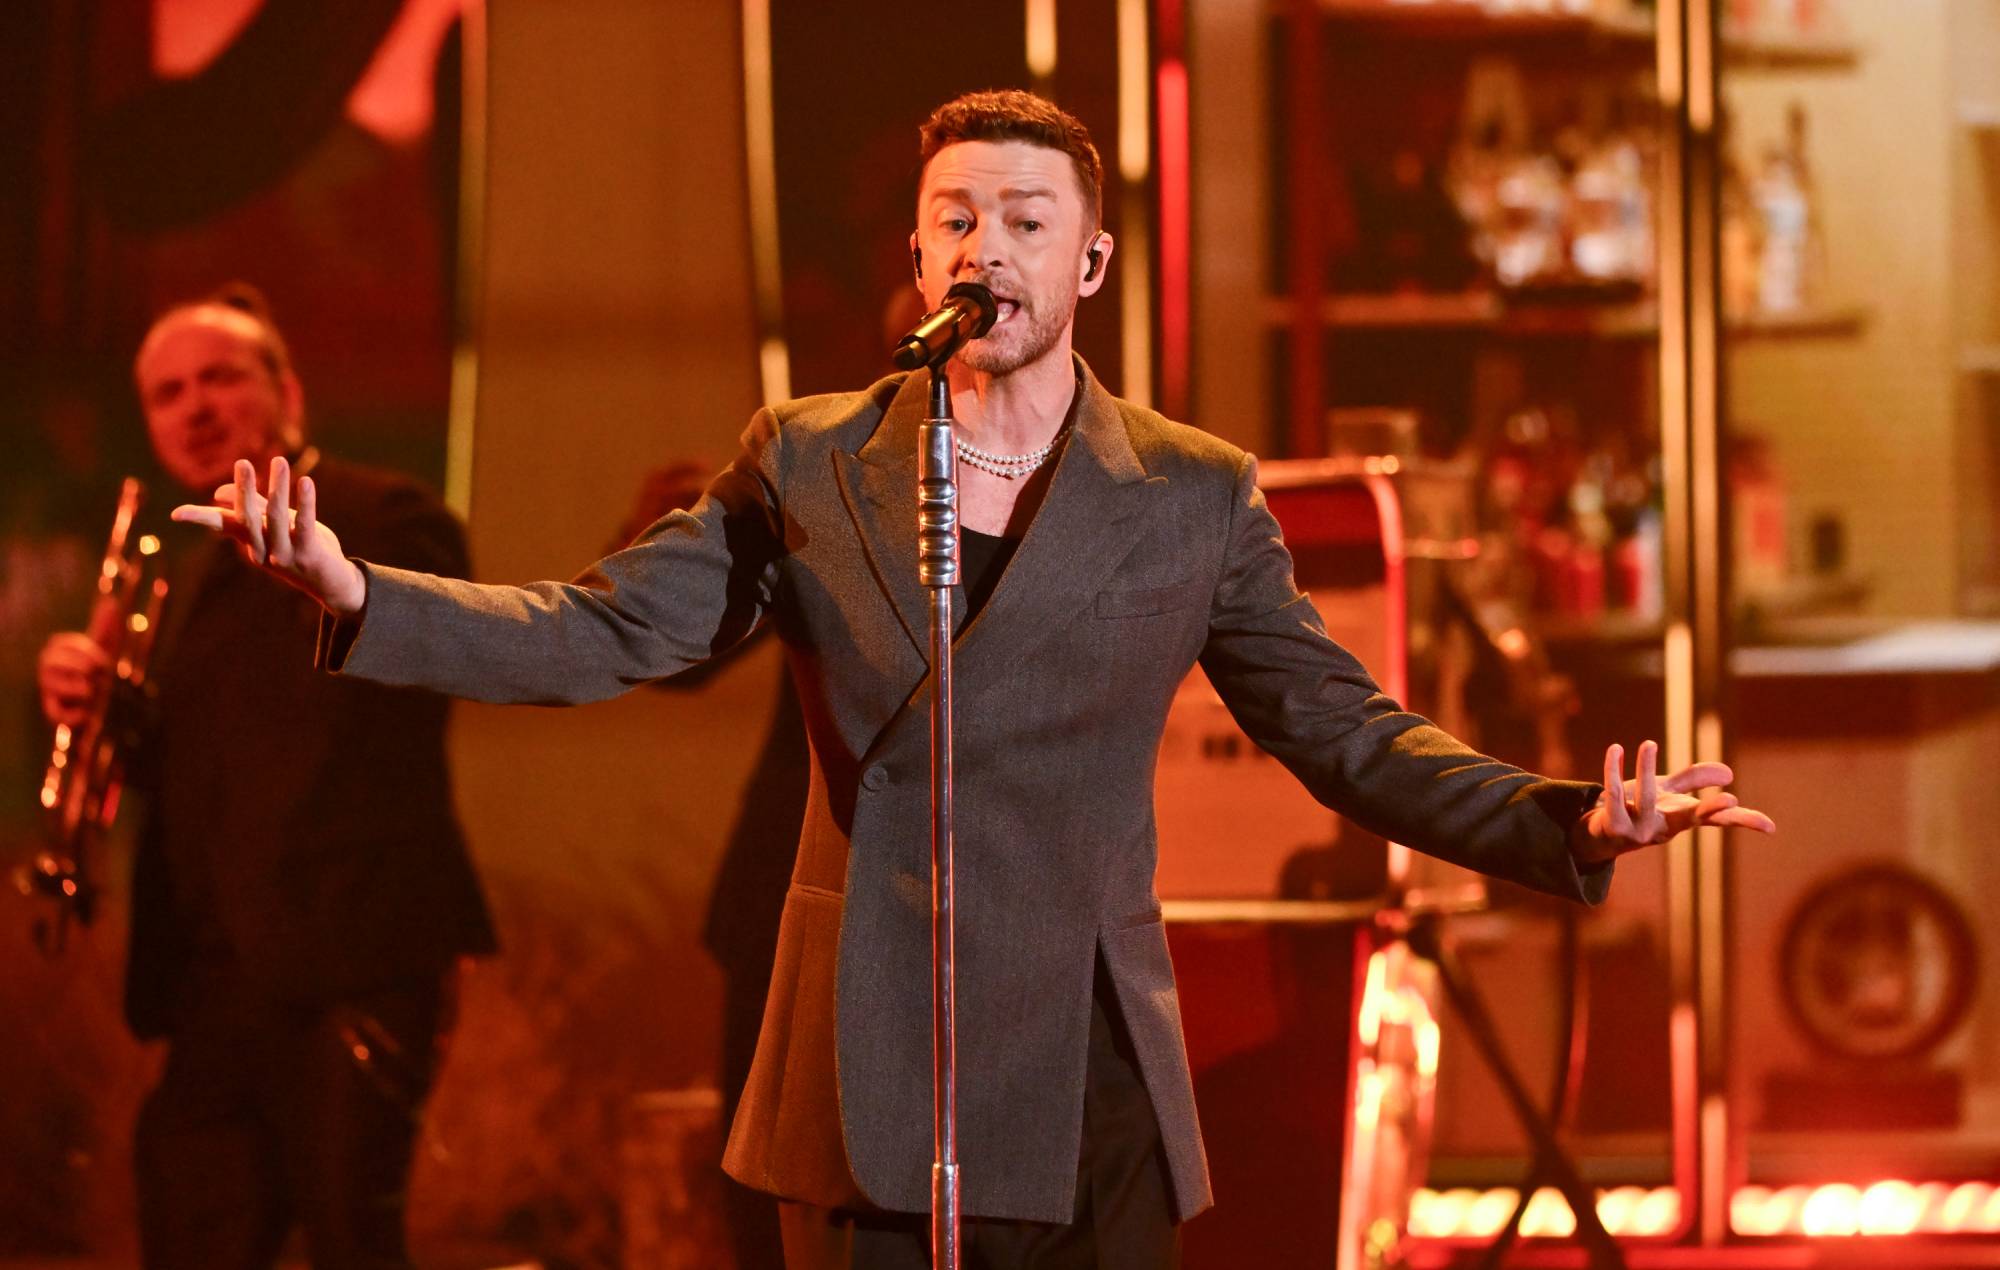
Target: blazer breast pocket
[{"x": 1150, "y": 600}]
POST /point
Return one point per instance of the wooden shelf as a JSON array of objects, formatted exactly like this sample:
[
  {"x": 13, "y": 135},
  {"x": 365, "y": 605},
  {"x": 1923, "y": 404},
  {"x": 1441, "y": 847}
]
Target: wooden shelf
[
  {"x": 1488, "y": 312},
  {"x": 1788, "y": 53},
  {"x": 1486, "y": 19},
  {"x": 1613, "y": 627},
  {"x": 1823, "y": 322},
  {"x": 1479, "y": 19},
  {"x": 1415, "y": 311}
]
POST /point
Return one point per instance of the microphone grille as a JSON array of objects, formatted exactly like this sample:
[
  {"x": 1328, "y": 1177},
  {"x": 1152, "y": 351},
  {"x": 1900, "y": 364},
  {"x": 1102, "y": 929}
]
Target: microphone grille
[{"x": 989, "y": 308}]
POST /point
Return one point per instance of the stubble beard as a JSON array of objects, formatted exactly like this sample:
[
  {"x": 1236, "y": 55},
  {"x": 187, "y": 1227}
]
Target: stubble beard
[{"x": 1036, "y": 328}]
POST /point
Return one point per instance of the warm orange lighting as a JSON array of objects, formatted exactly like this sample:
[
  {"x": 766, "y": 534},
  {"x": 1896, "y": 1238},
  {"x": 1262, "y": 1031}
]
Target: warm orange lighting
[
  {"x": 1490, "y": 1212},
  {"x": 1657, "y": 1214},
  {"x": 1759, "y": 1210},
  {"x": 1427, "y": 1040},
  {"x": 1440, "y": 1214},
  {"x": 1961, "y": 1208},
  {"x": 1616, "y": 1206},
  {"x": 1889, "y": 1208},
  {"x": 1832, "y": 1210},
  {"x": 394, "y": 97},
  {"x": 1548, "y": 1216},
  {"x": 1402, "y": 1005},
  {"x": 1368, "y": 1020},
  {"x": 1989, "y": 1214},
  {"x": 187, "y": 36},
  {"x": 1367, "y": 1098},
  {"x": 149, "y": 545},
  {"x": 1041, "y": 31}
]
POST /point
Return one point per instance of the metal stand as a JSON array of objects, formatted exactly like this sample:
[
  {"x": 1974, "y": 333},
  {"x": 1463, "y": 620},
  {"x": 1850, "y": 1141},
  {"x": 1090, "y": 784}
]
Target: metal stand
[
  {"x": 1551, "y": 1160},
  {"x": 937, "y": 569}
]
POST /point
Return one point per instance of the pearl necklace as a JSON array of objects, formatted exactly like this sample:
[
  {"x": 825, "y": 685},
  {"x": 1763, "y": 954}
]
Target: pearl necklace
[{"x": 1008, "y": 467}]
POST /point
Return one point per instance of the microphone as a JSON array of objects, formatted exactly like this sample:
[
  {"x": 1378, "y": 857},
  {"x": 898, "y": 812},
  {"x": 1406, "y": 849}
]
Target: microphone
[{"x": 967, "y": 313}]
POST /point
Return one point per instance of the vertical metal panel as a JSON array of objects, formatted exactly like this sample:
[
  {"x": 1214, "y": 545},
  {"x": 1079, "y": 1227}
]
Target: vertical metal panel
[
  {"x": 471, "y": 266},
  {"x": 1696, "y": 641},
  {"x": 759, "y": 135},
  {"x": 1135, "y": 147},
  {"x": 1305, "y": 182}
]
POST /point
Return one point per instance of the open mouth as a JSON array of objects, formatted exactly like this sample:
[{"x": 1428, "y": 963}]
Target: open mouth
[{"x": 1008, "y": 308}]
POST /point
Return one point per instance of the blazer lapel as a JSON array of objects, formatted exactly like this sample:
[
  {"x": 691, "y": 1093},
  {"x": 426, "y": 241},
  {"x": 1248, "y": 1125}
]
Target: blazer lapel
[
  {"x": 1087, "y": 524},
  {"x": 879, "y": 485}
]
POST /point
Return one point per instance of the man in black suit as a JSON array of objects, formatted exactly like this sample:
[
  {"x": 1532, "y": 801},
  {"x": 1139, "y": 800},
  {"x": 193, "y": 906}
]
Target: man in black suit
[
  {"x": 1106, "y": 552},
  {"x": 301, "y": 896}
]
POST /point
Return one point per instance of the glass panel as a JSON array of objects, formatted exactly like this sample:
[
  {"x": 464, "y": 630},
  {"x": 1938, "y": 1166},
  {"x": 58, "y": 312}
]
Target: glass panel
[{"x": 1859, "y": 272}]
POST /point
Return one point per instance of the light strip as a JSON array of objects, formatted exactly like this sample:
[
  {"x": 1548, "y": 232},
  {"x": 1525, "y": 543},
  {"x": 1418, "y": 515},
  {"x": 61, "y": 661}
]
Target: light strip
[
  {"x": 1041, "y": 53},
  {"x": 1134, "y": 219},
  {"x": 761, "y": 156},
  {"x": 1176, "y": 203},
  {"x": 1835, "y": 1210},
  {"x": 1136, "y": 299},
  {"x": 1677, "y": 649},
  {"x": 462, "y": 409},
  {"x": 1135, "y": 140}
]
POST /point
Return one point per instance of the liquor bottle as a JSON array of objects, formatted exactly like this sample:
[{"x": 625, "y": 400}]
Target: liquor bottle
[{"x": 1786, "y": 222}]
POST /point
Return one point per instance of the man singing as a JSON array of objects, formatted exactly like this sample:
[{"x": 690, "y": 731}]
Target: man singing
[{"x": 1106, "y": 552}]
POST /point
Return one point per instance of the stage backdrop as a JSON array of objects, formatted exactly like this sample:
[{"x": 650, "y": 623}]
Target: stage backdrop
[{"x": 156, "y": 149}]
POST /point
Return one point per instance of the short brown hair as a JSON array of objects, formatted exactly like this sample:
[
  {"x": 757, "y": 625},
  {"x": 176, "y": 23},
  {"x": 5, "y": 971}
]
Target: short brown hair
[{"x": 1013, "y": 115}]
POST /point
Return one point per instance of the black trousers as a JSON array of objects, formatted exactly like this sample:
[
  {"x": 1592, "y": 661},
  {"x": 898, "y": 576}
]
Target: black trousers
[
  {"x": 273, "y": 1115},
  {"x": 1124, "y": 1206}
]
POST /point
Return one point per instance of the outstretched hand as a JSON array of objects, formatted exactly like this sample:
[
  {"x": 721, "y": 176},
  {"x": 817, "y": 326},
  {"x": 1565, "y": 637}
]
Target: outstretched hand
[
  {"x": 290, "y": 544},
  {"x": 1660, "y": 808}
]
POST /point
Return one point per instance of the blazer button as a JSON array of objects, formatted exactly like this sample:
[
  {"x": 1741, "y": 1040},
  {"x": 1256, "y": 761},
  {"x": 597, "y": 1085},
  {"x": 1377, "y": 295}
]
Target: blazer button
[{"x": 875, "y": 777}]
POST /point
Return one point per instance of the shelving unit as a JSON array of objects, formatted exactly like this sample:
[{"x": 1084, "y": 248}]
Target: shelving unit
[
  {"x": 1489, "y": 312},
  {"x": 1863, "y": 380},
  {"x": 1475, "y": 19},
  {"x": 1788, "y": 53},
  {"x": 1308, "y": 309},
  {"x": 1975, "y": 253},
  {"x": 1631, "y": 30}
]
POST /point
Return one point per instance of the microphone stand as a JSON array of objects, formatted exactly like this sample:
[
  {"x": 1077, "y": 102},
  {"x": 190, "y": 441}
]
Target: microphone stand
[{"x": 937, "y": 569}]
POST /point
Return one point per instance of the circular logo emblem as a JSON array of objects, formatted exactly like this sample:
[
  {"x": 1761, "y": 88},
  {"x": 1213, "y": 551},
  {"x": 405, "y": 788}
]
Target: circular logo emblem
[{"x": 1878, "y": 962}]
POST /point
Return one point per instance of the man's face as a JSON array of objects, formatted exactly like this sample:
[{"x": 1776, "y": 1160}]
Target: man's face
[
  {"x": 210, "y": 399},
  {"x": 1009, "y": 215}
]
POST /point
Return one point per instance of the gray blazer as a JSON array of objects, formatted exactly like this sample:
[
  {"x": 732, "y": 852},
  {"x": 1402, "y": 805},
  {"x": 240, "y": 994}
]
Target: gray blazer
[{"x": 1152, "y": 550}]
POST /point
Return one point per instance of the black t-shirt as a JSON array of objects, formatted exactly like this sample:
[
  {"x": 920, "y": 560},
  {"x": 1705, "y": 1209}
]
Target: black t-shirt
[{"x": 982, "y": 558}]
